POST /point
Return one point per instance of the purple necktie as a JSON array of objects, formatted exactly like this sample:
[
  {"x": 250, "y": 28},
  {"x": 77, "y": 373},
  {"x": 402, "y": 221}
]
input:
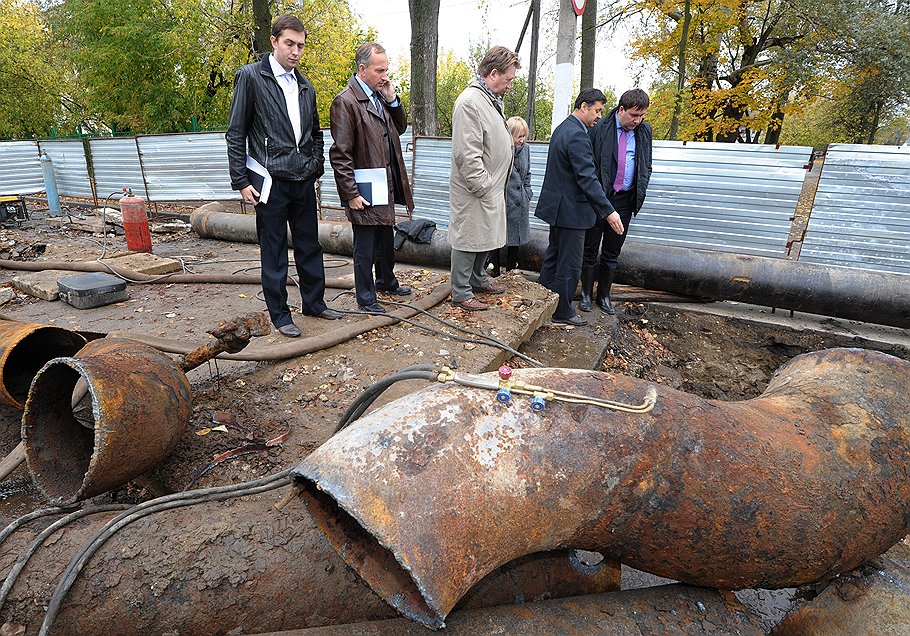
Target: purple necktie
[{"x": 620, "y": 161}]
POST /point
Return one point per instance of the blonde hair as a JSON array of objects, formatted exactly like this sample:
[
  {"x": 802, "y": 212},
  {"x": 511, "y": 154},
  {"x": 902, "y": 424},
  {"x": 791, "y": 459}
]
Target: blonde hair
[{"x": 517, "y": 125}]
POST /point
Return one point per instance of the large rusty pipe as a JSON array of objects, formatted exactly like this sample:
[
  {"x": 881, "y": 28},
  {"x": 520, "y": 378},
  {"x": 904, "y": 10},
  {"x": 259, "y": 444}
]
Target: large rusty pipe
[
  {"x": 216, "y": 567},
  {"x": 666, "y": 609},
  {"x": 842, "y": 292},
  {"x": 804, "y": 482},
  {"x": 24, "y": 348},
  {"x": 141, "y": 403}
]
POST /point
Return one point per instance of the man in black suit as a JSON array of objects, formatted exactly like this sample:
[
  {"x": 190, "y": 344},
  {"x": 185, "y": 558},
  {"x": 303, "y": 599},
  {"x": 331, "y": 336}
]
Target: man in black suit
[
  {"x": 571, "y": 200},
  {"x": 626, "y": 182}
]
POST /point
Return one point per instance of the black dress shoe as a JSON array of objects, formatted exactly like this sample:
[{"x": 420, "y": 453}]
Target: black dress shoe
[
  {"x": 290, "y": 330},
  {"x": 330, "y": 314},
  {"x": 375, "y": 308},
  {"x": 401, "y": 290},
  {"x": 575, "y": 321}
]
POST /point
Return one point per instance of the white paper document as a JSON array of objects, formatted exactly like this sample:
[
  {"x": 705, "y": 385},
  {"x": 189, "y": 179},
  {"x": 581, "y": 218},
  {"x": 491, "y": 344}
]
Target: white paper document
[
  {"x": 373, "y": 185},
  {"x": 259, "y": 178}
]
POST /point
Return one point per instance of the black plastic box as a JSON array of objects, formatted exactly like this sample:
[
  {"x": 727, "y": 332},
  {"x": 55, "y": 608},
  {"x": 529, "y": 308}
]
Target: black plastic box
[{"x": 92, "y": 290}]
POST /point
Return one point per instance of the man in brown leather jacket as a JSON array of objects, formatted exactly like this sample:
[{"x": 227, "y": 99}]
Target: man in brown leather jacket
[{"x": 367, "y": 119}]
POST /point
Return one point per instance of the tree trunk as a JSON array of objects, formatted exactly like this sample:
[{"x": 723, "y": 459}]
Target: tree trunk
[
  {"x": 681, "y": 71},
  {"x": 876, "y": 121},
  {"x": 589, "y": 43},
  {"x": 424, "y": 49},
  {"x": 772, "y": 135},
  {"x": 262, "y": 27}
]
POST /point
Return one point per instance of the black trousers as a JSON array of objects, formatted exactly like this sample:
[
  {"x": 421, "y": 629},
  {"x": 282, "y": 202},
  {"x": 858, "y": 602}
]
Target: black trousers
[
  {"x": 601, "y": 238},
  {"x": 561, "y": 267},
  {"x": 374, "y": 248},
  {"x": 291, "y": 203}
]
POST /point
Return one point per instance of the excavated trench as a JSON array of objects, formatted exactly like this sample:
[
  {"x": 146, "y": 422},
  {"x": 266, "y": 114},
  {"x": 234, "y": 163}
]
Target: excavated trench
[{"x": 717, "y": 350}]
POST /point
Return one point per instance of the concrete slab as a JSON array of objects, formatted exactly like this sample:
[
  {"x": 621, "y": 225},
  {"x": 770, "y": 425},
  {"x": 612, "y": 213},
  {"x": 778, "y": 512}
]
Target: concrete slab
[
  {"x": 6, "y": 295},
  {"x": 41, "y": 285},
  {"x": 150, "y": 264},
  {"x": 93, "y": 225}
]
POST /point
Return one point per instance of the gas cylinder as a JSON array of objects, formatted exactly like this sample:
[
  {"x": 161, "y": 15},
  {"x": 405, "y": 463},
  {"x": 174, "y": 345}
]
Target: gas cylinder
[{"x": 135, "y": 223}]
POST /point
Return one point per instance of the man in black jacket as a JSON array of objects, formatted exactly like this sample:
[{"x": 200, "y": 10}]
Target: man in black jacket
[
  {"x": 571, "y": 201},
  {"x": 274, "y": 121},
  {"x": 622, "y": 154}
]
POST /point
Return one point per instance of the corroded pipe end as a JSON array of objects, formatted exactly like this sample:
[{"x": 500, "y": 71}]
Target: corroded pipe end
[
  {"x": 24, "y": 348},
  {"x": 374, "y": 562},
  {"x": 139, "y": 403}
]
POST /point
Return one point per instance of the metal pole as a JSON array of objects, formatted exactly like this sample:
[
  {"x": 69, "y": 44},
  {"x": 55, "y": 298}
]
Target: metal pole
[{"x": 532, "y": 67}]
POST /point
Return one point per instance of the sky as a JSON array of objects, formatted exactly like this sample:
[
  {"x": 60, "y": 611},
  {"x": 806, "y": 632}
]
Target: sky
[{"x": 464, "y": 21}]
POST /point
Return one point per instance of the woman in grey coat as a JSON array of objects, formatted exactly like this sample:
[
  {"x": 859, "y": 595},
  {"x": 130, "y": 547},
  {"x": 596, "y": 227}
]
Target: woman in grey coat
[{"x": 518, "y": 198}]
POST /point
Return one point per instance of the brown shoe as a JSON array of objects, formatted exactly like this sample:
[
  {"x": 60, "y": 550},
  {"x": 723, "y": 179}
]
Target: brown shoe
[
  {"x": 471, "y": 304},
  {"x": 490, "y": 289}
]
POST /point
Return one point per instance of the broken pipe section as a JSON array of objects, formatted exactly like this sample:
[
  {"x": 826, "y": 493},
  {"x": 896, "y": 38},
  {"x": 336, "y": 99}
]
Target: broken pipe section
[
  {"x": 429, "y": 493},
  {"x": 24, "y": 348},
  {"x": 139, "y": 403}
]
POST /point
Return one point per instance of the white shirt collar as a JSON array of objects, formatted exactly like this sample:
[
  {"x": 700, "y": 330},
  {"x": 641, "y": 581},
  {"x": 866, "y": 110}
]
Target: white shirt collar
[
  {"x": 366, "y": 89},
  {"x": 278, "y": 69}
]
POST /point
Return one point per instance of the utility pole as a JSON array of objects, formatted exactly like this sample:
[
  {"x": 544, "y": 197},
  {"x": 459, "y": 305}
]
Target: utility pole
[
  {"x": 565, "y": 60},
  {"x": 534, "y": 19}
]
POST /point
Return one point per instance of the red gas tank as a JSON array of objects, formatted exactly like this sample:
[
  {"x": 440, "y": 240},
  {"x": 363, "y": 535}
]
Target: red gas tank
[{"x": 136, "y": 224}]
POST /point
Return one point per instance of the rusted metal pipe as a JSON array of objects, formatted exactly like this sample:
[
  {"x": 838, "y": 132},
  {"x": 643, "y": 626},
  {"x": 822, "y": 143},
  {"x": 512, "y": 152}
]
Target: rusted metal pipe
[
  {"x": 215, "y": 567},
  {"x": 667, "y": 609},
  {"x": 140, "y": 405},
  {"x": 428, "y": 493},
  {"x": 24, "y": 348},
  {"x": 842, "y": 292}
]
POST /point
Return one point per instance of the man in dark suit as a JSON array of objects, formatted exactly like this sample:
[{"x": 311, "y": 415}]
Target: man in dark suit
[
  {"x": 622, "y": 131},
  {"x": 571, "y": 200}
]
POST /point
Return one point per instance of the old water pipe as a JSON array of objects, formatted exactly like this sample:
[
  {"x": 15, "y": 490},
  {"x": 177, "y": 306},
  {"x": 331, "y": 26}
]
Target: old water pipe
[
  {"x": 841, "y": 292},
  {"x": 428, "y": 493},
  {"x": 24, "y": 348},
  {"x": 140, "y": 405},
  {"x": 215, "y": 567}
]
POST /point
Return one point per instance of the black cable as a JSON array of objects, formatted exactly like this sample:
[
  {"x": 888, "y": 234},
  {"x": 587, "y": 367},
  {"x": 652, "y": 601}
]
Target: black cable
[
  {"x": 369, "y": 395},
  {"x": 486, "y": 341},
  {"x": 37, "y": 514},
  {"x": 168, "y": 502},
  {"x": 498, "y": 343},
  {"x": 33, "y": 547}
]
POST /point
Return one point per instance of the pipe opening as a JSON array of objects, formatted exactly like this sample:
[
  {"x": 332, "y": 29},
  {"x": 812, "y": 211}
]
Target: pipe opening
[
  {"x": 375, "y": 563},
  {"x": 58, "y": 446},
  {"x": 31, "y": 353}
]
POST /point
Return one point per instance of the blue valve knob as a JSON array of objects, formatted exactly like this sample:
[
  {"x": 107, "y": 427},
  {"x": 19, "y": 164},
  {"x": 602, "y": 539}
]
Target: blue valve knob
[
  {"x": 538, "y": 404},
  {"x": 503, "y": 395}
]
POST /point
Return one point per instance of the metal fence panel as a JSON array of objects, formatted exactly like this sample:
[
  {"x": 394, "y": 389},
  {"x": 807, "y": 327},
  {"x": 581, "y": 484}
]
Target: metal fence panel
[
  {"x": 116, "y": 165},
  {"x": 20, "y": 172},
  {"x": 861, "y": 216},
  {"x": 70, "y": 168},
  {"x": 728, "y": 197},
  {"x": 186, "y": 167}
]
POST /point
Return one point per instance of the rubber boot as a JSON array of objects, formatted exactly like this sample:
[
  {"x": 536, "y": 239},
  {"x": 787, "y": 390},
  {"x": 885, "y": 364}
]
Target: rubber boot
[
  {"x": 493, "y": 259},
  {"x": 605, "y": 281},
  {"x": 587, "y": 289}
]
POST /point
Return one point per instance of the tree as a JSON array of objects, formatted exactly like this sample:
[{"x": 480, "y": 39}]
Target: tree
[
  {"x": 35, "y": 94},
  {"x": 159, "y": 65},
  {"x": 424, "y": 52}
]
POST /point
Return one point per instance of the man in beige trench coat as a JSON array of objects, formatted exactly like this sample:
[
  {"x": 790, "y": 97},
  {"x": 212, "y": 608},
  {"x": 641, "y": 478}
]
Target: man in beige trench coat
[{"x": 481, "y": 162}]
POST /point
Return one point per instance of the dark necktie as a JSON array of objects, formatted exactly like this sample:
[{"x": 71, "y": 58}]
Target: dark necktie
[{"x": 377, "y": 103}]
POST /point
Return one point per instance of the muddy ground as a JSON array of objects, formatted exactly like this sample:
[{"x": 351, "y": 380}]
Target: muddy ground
[{"x": 250, "y": 419}]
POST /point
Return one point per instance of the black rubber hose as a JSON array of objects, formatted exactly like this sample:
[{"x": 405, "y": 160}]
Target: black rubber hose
[{"x": 369, "y": 395}]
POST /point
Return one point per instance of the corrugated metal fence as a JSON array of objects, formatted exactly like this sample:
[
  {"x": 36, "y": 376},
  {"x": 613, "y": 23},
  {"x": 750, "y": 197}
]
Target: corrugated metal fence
[
  {"x": 861, "y": 216},
  {"x": 730, "y": 197}
]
